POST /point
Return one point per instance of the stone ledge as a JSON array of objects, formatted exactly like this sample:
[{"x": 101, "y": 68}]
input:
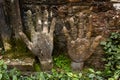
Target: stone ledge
[
  {"x": 115, "y": 0},
  {"x": 26, "y": 64}
]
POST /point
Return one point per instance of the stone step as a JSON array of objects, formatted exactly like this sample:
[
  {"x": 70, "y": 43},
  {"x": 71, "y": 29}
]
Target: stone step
[{"x": 26, "y": 64}]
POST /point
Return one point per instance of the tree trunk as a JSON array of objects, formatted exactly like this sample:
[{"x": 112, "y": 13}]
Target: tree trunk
[
  {"x": 4, "y": 28},
  {"x": 13, "y": 20}
]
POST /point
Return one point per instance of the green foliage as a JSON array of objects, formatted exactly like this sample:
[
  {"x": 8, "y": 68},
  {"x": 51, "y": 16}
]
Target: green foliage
[
  {"x": 62, "y": 62},
  {"x": 112, "y": 56},
  {"x": 14, "y": 74},
  {"x": 91, "y": 74},
  {"x": 7, "y": 75}
]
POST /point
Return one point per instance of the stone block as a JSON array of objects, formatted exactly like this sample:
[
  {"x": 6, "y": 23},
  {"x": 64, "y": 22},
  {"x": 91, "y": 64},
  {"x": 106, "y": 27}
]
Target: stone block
[{"x": 26, "y": 64}]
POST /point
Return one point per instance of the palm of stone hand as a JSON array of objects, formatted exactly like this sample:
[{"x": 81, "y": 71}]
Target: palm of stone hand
[
  {"x": 41, "y": 43},
  {"x": 80, "y": 48}
]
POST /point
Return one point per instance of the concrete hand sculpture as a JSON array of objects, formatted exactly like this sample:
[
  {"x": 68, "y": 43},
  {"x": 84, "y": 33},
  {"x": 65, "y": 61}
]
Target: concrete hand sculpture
[
  {"x": 80, "y": 44},
  {"x": 41, "y": 43}
]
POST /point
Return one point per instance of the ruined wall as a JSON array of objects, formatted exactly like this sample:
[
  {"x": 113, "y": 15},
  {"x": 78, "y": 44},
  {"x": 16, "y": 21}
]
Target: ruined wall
[
  {"x": 104, "y": 23},
  {"x": 105, "y": 19}
]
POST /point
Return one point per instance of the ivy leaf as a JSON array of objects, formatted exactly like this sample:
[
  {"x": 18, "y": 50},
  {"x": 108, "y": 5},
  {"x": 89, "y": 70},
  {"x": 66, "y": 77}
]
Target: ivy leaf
[
  {"x": 70, "y": 74},
  {"x": 111, "y": 79},
  {"x": 91, "y": 70},
  {"x": 5, "y": 67},
  {"x": 98, "y": 72},
  {"x": 91, "y": 75},
  {"x": 103, "y": 43},
  {"x": 118, "y": 66},
  {"x": 15, "y": 77},
  {"x": 0, "y": 76},
  {"x": 119, "y": 46},
  {"x": 109, "y": 50},
  {"x": 117, "y": 56},
  {"x": 80, "y": 75},
  {"x": 117, "y": 74},
  {"x": 75, "y": 79},
  {"x": 109, "y": 44},
  {"x": 1, "y": 62},
  {"x": 41, "y": 76}
]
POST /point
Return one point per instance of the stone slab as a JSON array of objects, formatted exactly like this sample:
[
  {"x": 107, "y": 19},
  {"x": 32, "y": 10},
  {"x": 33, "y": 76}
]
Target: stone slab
[
  {"x": 26, "y": 64},
  {"x": 115, "y": 0}
]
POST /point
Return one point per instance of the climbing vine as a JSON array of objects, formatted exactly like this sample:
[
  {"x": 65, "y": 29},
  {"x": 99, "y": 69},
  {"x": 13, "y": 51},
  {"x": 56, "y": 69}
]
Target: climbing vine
[{"x": 112, "y": 56}]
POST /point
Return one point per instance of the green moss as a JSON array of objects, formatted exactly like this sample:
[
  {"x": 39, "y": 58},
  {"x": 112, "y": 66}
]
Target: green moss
[
  {"x": 14, "y": 55},
  {"x": 18, "y": 45},
  {"x": 18, "y": 50}
]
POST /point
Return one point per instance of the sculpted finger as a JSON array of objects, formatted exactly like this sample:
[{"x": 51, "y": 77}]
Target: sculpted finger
[
  {"x": 73, "y": 28},
  {"x": 66, "y": 32},
  {"x": 71, "y": 20},
  {"x": 89, "y": 33},
  {"x": 30, "y": 23},
  {"x": 81, "y": 25},
  {"x": 45, "y": 21},
  {"x": 26, "y": 40},
  {"x": 38, "y": 19},
  {"x": 52, "y": 26},
  {"x": 80, "y": 30},
  {"x": 96, "y": 42}
]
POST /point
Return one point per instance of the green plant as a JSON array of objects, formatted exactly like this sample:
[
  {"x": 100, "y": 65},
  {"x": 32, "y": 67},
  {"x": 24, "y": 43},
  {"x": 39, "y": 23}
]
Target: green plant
[
  {"x": 112, "y": 56},
  {"x": 14, "y": 74},
  {"x": 62, "y": 62},
  {"x": 3, "y": 73},
  {"x": 92, "y": 74},
  {"x": 7, "y": 75}
]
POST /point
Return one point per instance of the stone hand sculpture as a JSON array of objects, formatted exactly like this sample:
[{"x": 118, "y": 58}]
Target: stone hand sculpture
[
  {"x": 41, "y": 38},
  {"x": 80, "y": 44}
]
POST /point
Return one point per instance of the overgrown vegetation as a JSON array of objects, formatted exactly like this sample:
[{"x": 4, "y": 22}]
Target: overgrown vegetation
[
  {"x": 14, "y": 74},
  {"x": 62, "y": 70}
]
